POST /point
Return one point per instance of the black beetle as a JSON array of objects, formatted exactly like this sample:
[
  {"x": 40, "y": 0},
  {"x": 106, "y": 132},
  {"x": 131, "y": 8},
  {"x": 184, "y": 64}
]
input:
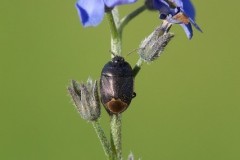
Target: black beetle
[{"x": 116, "y": 85}]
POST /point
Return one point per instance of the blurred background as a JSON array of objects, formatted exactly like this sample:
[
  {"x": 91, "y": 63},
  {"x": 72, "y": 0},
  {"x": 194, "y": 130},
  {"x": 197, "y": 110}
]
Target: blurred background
[{"x": 187, "y": 105}]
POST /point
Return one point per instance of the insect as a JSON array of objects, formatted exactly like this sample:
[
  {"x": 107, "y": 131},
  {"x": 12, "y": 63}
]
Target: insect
[{"x": 116, "y": 85}]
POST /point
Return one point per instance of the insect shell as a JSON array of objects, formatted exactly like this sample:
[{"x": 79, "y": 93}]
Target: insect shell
[{"x": 116, "y": 85}]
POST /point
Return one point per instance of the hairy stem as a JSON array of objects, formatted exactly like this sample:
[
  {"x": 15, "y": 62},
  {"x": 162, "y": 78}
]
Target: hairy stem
[
  {"x": 116, "y": 43},
  {"x": 103, "y": 139},
  {"x": 116, "y": 135},
  {"x": 137, "y": 67},
  {"x": 116, "y": 123}
]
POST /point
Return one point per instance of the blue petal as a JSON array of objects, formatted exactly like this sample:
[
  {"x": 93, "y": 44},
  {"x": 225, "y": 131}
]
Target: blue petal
[
  {"x": 179, "y": 3},
  {"x": 186, "y": 6},
  {"x": 112, "y": 3},
  {"x": 188, "y": 9},
  {"x": 162, "y": 6},
  {"x": 188, "y": 30},
  {"x": 90, "y": 12},
  {"x": 195, "y": 25}
]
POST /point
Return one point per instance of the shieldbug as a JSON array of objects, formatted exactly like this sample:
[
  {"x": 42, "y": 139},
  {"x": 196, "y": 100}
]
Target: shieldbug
[{"x": 116, "y": 85}]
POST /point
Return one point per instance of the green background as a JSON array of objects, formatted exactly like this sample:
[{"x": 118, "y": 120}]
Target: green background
[{"x": 187, "y": 104}]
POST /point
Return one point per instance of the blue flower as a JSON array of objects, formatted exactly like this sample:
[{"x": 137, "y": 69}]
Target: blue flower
[
  {"x": 178, "y": 12},
  {"x": 91, "y": 12}
]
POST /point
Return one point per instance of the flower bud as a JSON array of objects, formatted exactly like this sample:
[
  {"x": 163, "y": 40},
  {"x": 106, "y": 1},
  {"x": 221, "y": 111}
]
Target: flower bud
[
  {"x": 86, "y": 99},
  {"x": 152, "y": 47}
]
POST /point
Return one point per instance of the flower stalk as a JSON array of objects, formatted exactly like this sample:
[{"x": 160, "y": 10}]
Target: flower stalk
[
  {"x": 103, "y": 139},
  {"x": 116, "y": 135},
  {"x": 116, "y": 42},
  {"x": 137, "y": 67},
  {"x": 116, "y": 123}
]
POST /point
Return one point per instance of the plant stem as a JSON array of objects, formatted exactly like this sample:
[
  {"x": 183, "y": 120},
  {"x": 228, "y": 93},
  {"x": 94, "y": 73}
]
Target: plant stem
[
  {"x": 137, "y": 67},
  {"x": 116, "y": 123},
  {"x": 103, "y": 139},
  {"x": 116, "y": 135},
  {"x": 113, "y": 147},
  {"x": 116, "y": 43},
  {"x": 129, "y": 17}
]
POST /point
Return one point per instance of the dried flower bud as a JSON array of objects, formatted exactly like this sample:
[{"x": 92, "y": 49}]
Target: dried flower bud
[
  {"x": 152, "y": 47},
  {"x": 86, "y": 99}
]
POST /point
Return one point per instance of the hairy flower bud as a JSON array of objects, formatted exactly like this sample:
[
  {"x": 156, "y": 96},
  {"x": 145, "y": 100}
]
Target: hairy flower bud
[
  {"x": 152, "y": 47},
  {"x": 86, "y": 99}
]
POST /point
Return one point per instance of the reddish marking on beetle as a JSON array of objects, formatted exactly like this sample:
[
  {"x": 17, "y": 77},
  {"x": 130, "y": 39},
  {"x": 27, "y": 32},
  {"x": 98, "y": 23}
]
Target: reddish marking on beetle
[{"x": 116, "y": 105}]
